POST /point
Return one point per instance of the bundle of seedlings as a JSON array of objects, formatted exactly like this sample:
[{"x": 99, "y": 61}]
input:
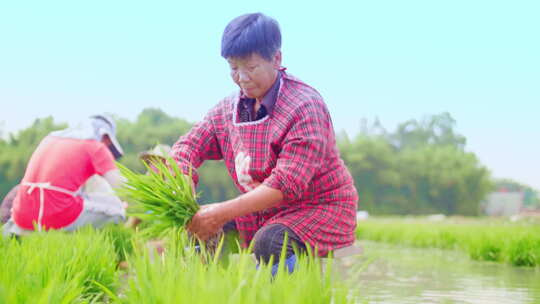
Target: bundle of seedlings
[{"x": 162, "y": 198}]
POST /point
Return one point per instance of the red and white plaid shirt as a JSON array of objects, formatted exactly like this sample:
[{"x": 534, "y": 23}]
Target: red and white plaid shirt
[{"x": 294, "y": 150}]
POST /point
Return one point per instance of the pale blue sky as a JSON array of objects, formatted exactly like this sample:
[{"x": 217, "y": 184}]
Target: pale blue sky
[{"x": 396, "y": 60}]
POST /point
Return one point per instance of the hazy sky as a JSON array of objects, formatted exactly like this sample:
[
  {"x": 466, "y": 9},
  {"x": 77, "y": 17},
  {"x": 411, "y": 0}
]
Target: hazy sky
[{"x": 396, "y": 60}]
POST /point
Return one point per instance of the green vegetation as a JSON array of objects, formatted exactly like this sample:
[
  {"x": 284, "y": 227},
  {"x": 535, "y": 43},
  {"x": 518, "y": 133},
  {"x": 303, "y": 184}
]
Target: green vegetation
[
  {"x": 163, "y": 196},
  {"x": 121, "y": 238},
  {"x": 57, "y": 267},
  {"x": 182, "y": 276},
  {"x": 420, "y": 168},
  {"x": 489, "y": 240},
  {"x": 17, "y": 149}
]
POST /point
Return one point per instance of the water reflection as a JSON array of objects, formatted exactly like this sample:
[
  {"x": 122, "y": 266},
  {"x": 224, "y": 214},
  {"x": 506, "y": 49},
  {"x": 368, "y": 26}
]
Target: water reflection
[{"x": 394, "y": 274}]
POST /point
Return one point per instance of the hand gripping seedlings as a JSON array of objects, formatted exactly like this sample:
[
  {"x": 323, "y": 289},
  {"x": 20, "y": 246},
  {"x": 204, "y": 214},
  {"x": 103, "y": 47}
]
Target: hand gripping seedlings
[{"x": 163, "y": 197}]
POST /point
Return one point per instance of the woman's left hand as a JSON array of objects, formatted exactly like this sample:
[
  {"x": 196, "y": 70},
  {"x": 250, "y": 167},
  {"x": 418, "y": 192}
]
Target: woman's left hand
[{"x": 207, "y": 221}]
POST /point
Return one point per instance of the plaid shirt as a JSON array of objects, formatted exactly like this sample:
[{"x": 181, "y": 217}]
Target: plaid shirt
[{"x": 294, "y": 150}]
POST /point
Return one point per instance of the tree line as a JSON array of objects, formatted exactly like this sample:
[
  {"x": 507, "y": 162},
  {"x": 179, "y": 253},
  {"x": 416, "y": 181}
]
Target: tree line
[{"x": 420, "y": 168}]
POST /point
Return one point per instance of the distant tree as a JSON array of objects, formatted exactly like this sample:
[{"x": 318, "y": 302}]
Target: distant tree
[
  {"x": 432, "y": 130},
  {"x": 419, "y": 168},
  {"x": 444, "y": 179},
  {"x": 17, "y": 149},
  {"x": 373, "y": 163},
  {"x": 375, "y": 129},
  {"x": 151, "y": 127}
]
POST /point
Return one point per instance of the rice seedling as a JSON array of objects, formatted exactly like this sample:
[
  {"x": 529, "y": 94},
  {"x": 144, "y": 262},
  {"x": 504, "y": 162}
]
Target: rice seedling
[
  {"x": 524, "y": 250},
  {"x": 121, "y": 238},
  {"x": 182, "y": 276},
  {"x": 55, "y": 267},
  {"x": 488, "y": 240},
  {"x": 163, "y": 196}
]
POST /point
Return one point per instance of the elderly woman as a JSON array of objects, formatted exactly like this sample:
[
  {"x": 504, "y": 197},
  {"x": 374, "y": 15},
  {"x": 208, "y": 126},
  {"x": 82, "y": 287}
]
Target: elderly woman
[
  {"x": 69, "y": 179},
  {"x": 277, "y": 141}
]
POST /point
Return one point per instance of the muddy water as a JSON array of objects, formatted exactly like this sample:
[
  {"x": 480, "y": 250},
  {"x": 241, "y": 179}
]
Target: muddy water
[{"x": 394, "y": 274}]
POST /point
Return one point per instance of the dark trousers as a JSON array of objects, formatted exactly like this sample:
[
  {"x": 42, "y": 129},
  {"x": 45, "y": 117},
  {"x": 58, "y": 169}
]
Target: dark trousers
[{"x": 268, "y": 241}]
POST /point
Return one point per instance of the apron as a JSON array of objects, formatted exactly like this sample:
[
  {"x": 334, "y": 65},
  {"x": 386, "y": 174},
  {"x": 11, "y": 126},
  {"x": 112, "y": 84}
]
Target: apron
[
  {"x": 42, "y": 187},
  {"x": 324, "y": 220},
  {"x": 96, "y": 192},
  {"x": 251, "y": 140}
]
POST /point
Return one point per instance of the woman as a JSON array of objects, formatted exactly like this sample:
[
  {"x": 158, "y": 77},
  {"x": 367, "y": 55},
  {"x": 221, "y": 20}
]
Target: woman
[
  {"x": 277, "y": 140},
  {"x": 69, "y": 179}
]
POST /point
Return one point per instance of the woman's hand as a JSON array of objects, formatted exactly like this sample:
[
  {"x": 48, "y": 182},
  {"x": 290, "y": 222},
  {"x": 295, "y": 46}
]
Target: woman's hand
[
  {"x": 207, "y": 221},
  {"x": 210, "y": 218}
]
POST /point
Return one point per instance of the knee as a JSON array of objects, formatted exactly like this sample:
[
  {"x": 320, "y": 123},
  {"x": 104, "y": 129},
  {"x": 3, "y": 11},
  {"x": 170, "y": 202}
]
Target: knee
[{"x": 268, "y": 242}]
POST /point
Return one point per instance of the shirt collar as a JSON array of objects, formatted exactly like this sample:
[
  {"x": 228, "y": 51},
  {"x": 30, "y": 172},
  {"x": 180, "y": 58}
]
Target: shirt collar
[{"x": 269, "y": 100}]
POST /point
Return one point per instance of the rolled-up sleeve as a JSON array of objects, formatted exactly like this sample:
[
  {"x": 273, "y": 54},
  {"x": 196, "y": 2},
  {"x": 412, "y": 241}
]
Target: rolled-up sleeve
[
  {"x": 198, "y": 145},
  {"x": 302, "y": 153}
]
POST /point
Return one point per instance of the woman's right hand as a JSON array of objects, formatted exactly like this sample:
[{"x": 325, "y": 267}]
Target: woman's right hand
[{"x": 208, "y": 221}]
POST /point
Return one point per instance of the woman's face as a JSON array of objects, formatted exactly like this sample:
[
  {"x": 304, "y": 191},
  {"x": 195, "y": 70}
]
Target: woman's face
[{"x": 254, "y": 74}]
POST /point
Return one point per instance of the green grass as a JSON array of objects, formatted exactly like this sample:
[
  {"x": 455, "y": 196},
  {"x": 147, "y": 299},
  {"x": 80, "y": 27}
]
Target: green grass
[
  {"x": 58, "y": 267},
  {"x": 55, "y": 267},
  {"x": 122, "y": 240},
  {"x": 517, "y": 244},
  {"x": 182, "y": 276}
]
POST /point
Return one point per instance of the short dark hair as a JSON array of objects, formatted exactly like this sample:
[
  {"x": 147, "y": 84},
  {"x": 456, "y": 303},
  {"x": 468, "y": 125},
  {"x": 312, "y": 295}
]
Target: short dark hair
[{"x": 251, "y": 33}]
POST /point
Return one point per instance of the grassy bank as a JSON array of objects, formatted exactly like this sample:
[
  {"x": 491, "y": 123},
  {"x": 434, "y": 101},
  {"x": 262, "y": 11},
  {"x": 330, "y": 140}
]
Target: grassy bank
[
  {"x": 56, "y": 267},
  {"x": 483, "y": 239}
]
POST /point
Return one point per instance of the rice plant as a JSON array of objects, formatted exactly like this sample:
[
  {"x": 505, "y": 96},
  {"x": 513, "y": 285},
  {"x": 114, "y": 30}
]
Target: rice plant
[
  {"x": 182, "y": 275},
  {"x": 55, "y": 267},
  {"x": 488, "y": 240},
  {"x": 163, "y": 196},
  {"x": 121, "y": 238}
]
